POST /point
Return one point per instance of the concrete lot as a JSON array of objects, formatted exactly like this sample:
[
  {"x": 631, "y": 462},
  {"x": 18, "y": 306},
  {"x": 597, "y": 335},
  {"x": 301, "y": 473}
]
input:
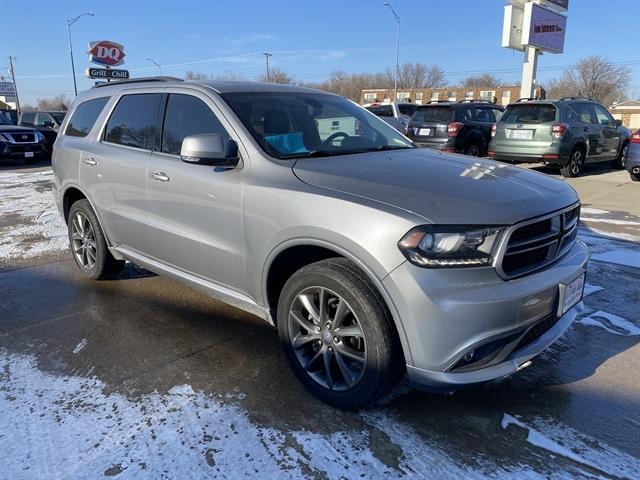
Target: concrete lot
[{"x": 142, "y": 377}]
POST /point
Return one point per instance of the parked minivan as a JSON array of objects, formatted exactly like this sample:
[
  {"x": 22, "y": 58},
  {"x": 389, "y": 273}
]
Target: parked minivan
[
  {"x": 373, "y": 258},
  {"x": 568, "y": 133}
]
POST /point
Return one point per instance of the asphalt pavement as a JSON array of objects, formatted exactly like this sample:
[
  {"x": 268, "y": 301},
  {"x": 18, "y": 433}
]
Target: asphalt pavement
[{"x": 143, "y": 377}]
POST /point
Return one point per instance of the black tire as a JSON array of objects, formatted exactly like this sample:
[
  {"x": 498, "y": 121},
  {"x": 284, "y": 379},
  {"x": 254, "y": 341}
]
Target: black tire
[
  {"x": 473, "y": 150},
  {"x": 574, "y": 165},
  {"x": 105, "y": 265},
  {"x": 634, "y": 177},
  {"x": 383, "y": 364},
  {"x": 621, "y": 161}
]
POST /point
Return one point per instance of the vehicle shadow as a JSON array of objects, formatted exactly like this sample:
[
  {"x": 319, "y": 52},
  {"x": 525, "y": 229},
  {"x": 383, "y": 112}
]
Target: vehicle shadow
[
  {"x": 19, "y": 165},
  {"x": 588, "y": 170}
]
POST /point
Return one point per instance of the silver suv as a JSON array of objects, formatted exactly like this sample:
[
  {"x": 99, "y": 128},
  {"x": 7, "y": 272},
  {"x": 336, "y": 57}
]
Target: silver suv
[{"x": 373, "y": 258}]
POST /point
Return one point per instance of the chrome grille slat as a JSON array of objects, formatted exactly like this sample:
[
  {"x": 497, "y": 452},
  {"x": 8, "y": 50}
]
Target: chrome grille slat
[{"x": 534, "y": 244}]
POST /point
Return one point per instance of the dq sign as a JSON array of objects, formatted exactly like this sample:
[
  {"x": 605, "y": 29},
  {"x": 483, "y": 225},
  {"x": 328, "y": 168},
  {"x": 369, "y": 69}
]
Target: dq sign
[{"x": 104, "y": 52}]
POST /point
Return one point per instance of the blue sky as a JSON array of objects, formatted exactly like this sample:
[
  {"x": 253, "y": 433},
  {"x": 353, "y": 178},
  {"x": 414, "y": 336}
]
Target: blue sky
[{"x": 307, "y": 38}]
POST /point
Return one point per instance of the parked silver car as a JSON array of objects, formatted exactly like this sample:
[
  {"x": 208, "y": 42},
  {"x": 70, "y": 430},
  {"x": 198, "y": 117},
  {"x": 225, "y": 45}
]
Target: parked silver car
[
  {"x": 396, "y": 114},
  {"x": 372, "y": 257}
]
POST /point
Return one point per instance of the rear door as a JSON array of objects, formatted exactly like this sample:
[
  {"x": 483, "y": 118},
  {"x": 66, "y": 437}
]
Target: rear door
[
  {"x": 610, "y": 134},
  {"x": 588, "y": 127},
  {"x": 196, "y": 217},
  {"x": 114, "y": 170}
]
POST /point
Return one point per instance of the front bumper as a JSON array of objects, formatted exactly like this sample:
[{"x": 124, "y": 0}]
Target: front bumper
[
  {"x": 19, "y": 151},
  {"x": 448, "y": 313}
]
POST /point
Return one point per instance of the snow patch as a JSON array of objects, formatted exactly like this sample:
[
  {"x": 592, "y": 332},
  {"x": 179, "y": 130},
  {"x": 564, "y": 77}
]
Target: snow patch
[
  {"x": 609, "y": 220},
  {"x": 611, "y": 323},
  {"x": 182, "y": 390},
  {"x": 622, "y": 256},
  {"x": 593, "y": 211},
  {"x": 590, "y": 289},
  {"x": 80, "y": 346}
]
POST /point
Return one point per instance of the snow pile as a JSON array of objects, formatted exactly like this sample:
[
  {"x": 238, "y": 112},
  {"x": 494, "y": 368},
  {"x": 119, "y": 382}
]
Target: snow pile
[
  {"x": 32, "y": 225},
  {"x": 611, "y": 323}
]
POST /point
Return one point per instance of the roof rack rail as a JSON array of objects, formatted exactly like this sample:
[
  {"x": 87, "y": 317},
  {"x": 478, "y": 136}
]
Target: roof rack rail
[
  {"x": 575, "y": 98},
  {"x": 526, "y": 99},
  {"x": 473, "y": 100},
  {"x": 437, "y": 101},
  {"x": 139, "y": 80}
]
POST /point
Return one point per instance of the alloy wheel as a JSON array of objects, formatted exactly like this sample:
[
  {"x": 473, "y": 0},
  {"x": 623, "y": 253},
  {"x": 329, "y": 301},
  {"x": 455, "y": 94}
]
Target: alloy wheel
[
  {"x": 623, "y": 156},
  {"x": 473, "y": 151},
  {"x": 84, "y": 241},
  {"x": 576, "y": 162},
  {"x": 327, "y": 338}
]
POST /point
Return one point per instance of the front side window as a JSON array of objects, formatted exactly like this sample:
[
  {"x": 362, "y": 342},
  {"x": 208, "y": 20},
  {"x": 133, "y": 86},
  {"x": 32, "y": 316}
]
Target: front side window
[
  {"x": 28, "y": 118},
  {"x": 583, "y": 112},
  {"x": 300, "y": 124},
  {"x": 604, "y": 117},
  {"x": 187, "y": 115},
  {"x": 132, "y": 121},
  {"x": 44, "y": 119},
  {"x": 84, "y": 116}
]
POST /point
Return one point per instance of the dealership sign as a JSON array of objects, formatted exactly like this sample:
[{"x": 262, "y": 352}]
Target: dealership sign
[
  {"x": 106, "y": 53},
  {"x": 110, "y": 73},
  {"x": 7, "y": 89},
  {"x": 543, "y": 29}
]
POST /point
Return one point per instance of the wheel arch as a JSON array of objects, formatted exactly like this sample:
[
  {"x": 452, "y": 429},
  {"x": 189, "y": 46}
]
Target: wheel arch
[{"x": 293, "y": 255}]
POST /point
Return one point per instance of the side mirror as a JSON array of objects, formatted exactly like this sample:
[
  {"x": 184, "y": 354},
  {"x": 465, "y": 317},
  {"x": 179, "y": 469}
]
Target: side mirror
[
  {"x": 617, "y": 123},
  {"x": 209, "y": 149}
]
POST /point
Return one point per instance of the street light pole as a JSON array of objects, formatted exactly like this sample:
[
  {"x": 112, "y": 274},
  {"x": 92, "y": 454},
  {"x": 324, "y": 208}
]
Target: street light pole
[
  {"x": 266, "y": 57},
  {"x": 156, "y": 64},
  {"x": 395, "y": 80},
  {"x": 73, "y": 68}
]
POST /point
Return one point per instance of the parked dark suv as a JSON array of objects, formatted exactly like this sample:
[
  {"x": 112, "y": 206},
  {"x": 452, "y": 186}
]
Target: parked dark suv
[
  {"x": 568, "y": 133},
  {"x": 47, "y": 123},
  {"x": 463, "y": 127}
]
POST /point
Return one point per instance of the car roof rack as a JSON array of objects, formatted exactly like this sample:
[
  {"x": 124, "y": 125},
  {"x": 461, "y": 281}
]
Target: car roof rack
[
  {"x": 575, "y": 98},
  {"x": 436, "y": 101},
  {"x": 138, "y": 80},
  {"x": 526, "y": 99},
  {"x": 473, "y": 100}
]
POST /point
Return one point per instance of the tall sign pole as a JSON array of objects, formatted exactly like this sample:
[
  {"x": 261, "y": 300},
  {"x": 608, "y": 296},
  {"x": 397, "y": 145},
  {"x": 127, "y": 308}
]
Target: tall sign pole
[
  {"x": 529, "y": 71},
  {"x": 15, "y": 88}
]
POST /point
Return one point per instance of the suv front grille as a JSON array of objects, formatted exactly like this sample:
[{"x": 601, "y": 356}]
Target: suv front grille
[
  {"x": 538, "y": 243},
  {"x": 22, "y": 137}
]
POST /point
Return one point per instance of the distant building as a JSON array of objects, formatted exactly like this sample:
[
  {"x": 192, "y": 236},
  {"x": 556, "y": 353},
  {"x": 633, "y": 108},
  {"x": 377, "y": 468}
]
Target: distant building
[
  {"x": 499, "y": 95},
  {"x": 628, "y": 112}
]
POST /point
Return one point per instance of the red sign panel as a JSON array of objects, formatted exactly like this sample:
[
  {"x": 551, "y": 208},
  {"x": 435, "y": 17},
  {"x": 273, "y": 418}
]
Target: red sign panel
[{"x": 107, "y": 53}]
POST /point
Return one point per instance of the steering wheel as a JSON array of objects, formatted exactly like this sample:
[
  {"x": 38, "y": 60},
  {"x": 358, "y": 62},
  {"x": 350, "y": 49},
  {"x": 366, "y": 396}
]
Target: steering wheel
[{"x": 331, "y": 138}]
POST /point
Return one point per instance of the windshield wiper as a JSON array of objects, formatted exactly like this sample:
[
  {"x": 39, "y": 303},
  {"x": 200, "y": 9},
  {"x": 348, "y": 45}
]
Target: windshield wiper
[{"x": 310, "y": 154}]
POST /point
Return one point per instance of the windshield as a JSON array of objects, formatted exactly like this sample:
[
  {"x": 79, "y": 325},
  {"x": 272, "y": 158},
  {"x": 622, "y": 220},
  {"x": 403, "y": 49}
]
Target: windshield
[
  {"x": 58, "y": 116},
  {"x": 432, "y": 114},
  {"x": 298, "y": 125},
  {"x": 536, "y": 113}
]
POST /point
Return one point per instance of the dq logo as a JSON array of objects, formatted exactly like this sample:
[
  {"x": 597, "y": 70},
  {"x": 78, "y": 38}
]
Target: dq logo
[{"x": 104, "y": 52}]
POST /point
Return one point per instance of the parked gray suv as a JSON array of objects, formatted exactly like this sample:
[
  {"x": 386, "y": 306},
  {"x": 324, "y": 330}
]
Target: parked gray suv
[
  {"x": 568, "y": 133},
  {"x": 373, "y": 258}
]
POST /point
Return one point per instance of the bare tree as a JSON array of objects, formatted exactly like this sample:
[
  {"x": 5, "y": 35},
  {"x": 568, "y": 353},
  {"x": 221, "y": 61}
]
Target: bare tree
[
  {"x": 229, "y": 75},
  {"x": 483, "y": 80},
  {"x": 276, "y": 75},
  {"x": 418, "y": 75},
  {"x": 597, "y": 78},
  {"x": 198, "y": 76},
  {"x": 59, "y": 103}
]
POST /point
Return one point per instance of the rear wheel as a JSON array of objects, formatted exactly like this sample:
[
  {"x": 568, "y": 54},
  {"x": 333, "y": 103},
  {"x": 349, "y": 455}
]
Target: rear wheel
[
  {"x": 88, "y": 244},
  {"x": 621, "y": 161},
  {"x": 473, "y": 150},
  {"x": 337, "y": 335},
  {"x": 573, "y": 168}
]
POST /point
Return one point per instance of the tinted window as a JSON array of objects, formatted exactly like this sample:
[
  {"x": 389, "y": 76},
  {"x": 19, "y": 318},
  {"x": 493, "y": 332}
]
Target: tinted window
[
  {"x": 382, "y": 111},
  {"x": 536, "y": 113},
  {"x": 186, "y": 115},
  {"x": 44, "y": 118},
  {"x": 84, "y": 116},
  {"x": 433, "y": 114},
  {"x": 407, "y": 109},
  {"x": 604, "y": 118},
  {"x": 485, "y": 115},
  {"x": 581, "y": 112},
  {"x": 132, "y": 121},
  {"x": 59, "y": 117},
  {"x": 27, "y": 118}
]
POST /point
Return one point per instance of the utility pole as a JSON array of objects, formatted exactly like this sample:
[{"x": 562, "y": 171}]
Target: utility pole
[
  {"x": 266, "y": 57},
  {"x": 395, "y": 80},
  {"x": 73, "y": 68},
  {"x": 15, "y": 88}
]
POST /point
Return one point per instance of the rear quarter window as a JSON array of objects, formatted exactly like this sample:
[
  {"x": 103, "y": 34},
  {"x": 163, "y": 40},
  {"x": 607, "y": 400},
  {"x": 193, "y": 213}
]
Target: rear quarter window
[
  {"x": 529, "y": 114},
  {"x": 382, "y": 111},
  {"x": 432, "y": 114},
  {"x": 84, "y": 117}
]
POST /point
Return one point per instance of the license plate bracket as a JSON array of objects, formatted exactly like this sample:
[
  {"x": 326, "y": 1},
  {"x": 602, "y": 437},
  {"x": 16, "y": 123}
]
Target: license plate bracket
[
  {"x": 28, "y": 154},
  {"x": 424, "y": 132},
  {"x": 571, "y": 294}
]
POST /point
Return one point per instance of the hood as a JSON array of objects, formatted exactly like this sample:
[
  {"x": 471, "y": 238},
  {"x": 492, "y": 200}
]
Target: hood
[
  {"x": 442, "y": 188},
  {"x": 15, "y": 128}
]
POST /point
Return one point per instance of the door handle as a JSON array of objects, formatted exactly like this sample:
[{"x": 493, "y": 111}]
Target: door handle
[
  {"x": 90, "y": 161},
  {"x": 160, "y": 176},
  {"x": 585, "y": 129}
]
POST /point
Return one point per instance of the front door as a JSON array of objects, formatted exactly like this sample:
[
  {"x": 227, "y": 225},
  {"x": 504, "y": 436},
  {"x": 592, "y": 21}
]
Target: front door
[{"x": 196, "y": 214}]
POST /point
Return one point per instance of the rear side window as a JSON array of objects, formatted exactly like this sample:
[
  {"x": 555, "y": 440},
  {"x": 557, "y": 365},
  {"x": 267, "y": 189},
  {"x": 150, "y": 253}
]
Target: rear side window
[
  {"x": 407, "y": 109},
  {"x": 84, "y": 116},
  {"x": 132, "y": 122},
  {"x": 187, "y": 115},
  {"x": 540, "y": 113},
  {"x": 382, "y": 110},
  {"x": 433, "y": 114}
]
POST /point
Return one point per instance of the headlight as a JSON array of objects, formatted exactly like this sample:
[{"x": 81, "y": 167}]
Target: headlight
[
  {"x": 451, "y": 246},
  {"x": 39, "y": 137}
]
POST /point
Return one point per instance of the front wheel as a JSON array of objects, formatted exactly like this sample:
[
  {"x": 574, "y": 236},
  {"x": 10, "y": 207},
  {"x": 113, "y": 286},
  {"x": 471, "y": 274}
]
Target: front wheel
[
  {"x": 88, "y": 244},
  {"x": 574, "y": 165},
  {"x": 634, "y": 177},
  {"x": 337, "y": 334}
]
